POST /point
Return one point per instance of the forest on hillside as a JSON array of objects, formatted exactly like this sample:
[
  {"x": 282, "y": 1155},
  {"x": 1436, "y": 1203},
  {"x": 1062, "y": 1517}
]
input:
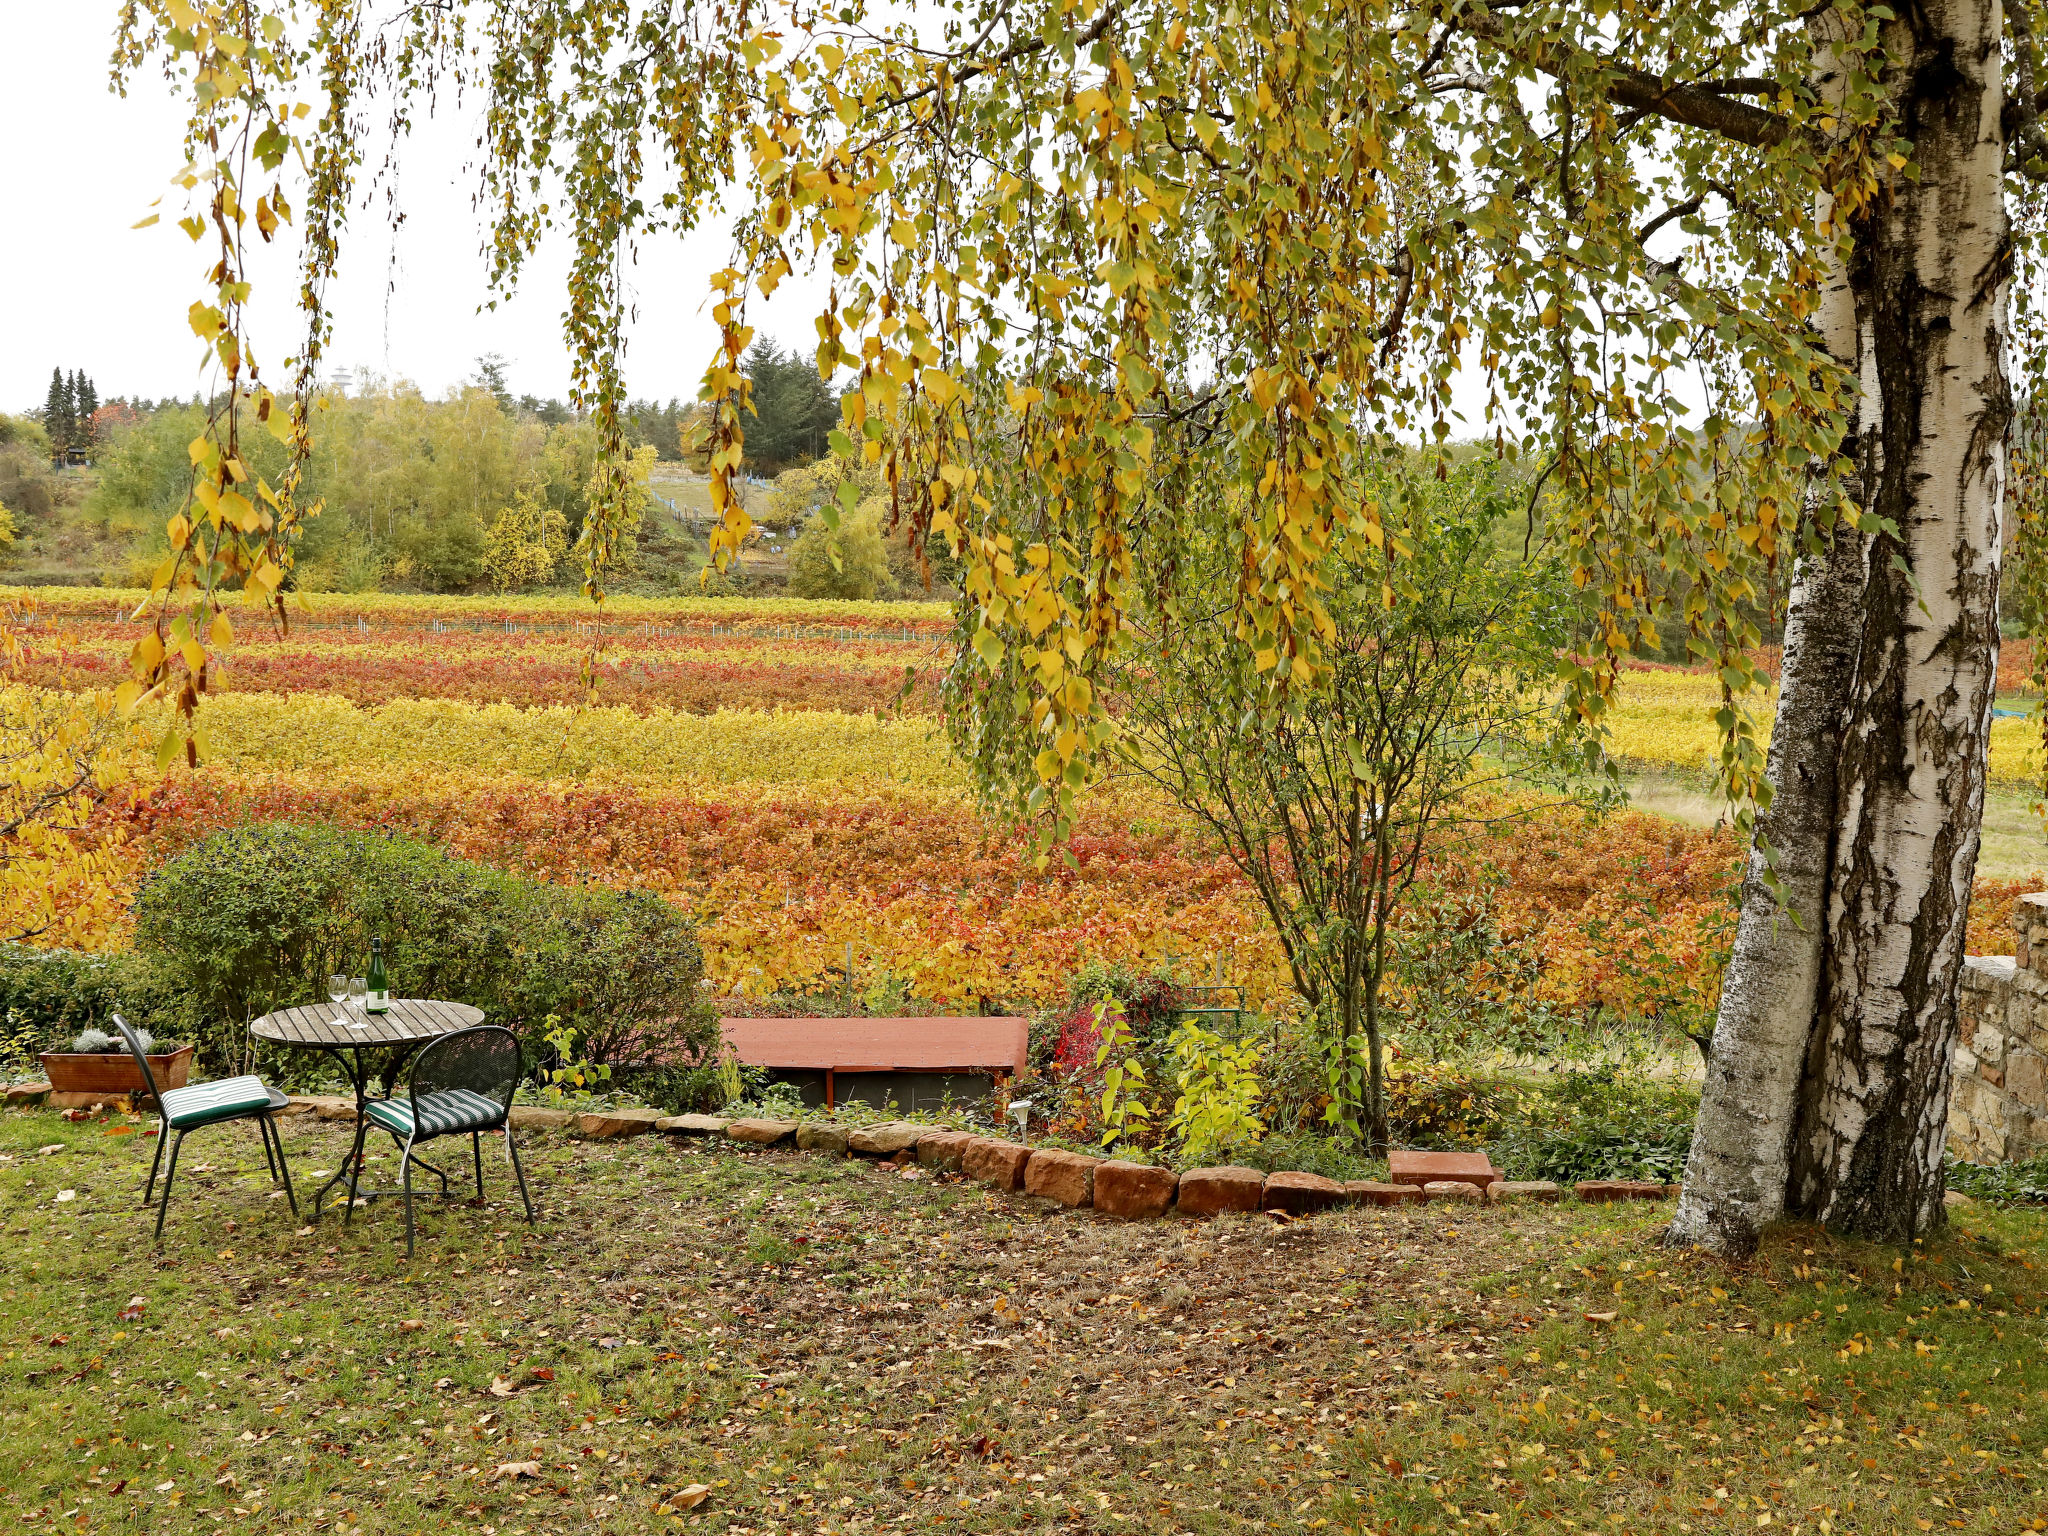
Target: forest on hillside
[{"x": 478, "y": 490}]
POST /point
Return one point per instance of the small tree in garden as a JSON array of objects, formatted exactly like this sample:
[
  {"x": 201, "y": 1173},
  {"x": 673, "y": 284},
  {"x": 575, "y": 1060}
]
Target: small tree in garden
[{"x": 1440, "y": 695}]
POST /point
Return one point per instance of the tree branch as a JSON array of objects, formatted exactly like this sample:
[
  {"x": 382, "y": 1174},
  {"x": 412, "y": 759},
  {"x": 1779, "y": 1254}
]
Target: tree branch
[{"x": 1695, "y": 106}]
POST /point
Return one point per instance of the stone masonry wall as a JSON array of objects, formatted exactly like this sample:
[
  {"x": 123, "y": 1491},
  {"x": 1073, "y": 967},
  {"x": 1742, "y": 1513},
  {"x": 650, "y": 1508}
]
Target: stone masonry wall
[{"x": 1998, "y": 1107}]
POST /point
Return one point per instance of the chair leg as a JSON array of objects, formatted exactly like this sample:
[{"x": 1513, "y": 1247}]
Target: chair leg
[
  {"x": 269, "y": 1157},
  {"x": 518, "y": 1173},
  {"x": 284, "y": 1172},
  {"x": 405, "y": 1178},
  {"x": 163, "y": 1134},
  {"x": 170, "y": 1173},
  {"x": 476, "y": 1150}
]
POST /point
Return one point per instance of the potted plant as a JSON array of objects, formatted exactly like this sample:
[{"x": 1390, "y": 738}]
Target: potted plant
[{"x": 99, "y": 1063}]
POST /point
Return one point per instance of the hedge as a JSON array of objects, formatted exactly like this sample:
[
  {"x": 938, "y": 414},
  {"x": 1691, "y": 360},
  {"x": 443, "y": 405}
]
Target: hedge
[{"x": 257, "y": 918}]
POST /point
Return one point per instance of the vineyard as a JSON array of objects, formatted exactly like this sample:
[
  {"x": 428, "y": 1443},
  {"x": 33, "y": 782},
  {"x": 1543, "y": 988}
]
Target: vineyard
[{"x": 763, "y": 766}]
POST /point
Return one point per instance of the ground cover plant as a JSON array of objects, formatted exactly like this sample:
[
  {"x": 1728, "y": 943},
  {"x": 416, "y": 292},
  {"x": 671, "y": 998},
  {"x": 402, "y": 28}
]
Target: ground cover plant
[{"x": 828, "y": 1346}]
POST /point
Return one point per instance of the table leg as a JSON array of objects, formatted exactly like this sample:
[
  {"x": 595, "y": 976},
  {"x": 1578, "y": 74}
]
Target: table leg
[
  {"x": 350, "y": 1165},
  {"x": 359, "y": 1077}
]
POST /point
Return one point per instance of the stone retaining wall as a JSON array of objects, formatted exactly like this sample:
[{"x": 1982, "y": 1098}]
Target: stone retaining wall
[
  {"x": 1998, "y": 1104},
  {"x": 1134, "y": 1191}
]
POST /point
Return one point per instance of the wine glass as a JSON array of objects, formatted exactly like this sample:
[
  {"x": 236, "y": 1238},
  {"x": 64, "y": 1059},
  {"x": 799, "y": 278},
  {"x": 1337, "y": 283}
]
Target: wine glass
[
  {"x": 337, "y": 990},
  {"x": 358, "y": 997}
]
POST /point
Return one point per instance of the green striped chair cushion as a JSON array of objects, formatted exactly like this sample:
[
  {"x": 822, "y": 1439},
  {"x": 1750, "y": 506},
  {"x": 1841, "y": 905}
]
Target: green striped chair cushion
[
  {"x": 221, "y": 1099},
  {"x": 455, "y": 1109}
]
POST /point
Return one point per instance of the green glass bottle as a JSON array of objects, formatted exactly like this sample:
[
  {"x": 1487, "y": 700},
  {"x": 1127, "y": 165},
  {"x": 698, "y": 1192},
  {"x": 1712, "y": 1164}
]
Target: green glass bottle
[{"x": 377, "y": 989}]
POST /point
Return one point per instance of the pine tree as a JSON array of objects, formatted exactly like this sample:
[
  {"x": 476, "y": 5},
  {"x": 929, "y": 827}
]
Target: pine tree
[
  {"x": 58, "y": 415},
  {"x": 85, "y": 402}
]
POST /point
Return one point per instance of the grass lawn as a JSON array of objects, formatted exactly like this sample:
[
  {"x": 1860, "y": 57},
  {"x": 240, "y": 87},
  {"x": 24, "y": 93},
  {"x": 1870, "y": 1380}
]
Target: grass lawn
[{"x": 834, "y": 1348}]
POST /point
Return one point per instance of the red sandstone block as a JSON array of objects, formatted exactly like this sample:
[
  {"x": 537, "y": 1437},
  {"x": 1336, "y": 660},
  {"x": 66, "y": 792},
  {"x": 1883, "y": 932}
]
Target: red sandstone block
[
  {"x": 1371, "y": 1192},
  {"x": 1068, "y": 1177},
  {"x": 942, "y": 1149},
  {"x": 1211, "y": 1191},
  {"x": 1133, "y": 1190},
  {"x": 1601, "y": 1191},
  {"x": 1000, "y": 1163},
  {"x": 1472, "y": 1168},
  {"x": 1523, "y": 1189},
  {"x": 1298, "y": 1194}
]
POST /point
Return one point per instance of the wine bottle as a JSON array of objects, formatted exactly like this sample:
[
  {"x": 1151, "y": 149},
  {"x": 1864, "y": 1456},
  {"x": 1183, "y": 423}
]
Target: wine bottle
[{"x": 377, "y": 989}]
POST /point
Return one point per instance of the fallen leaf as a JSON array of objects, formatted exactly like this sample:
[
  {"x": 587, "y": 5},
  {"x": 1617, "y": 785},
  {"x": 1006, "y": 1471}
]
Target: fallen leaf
[
  {"x": 411, "y": 1325},
  {"x": 500, "y": 1387},
  {"x": 690, "y": 1497},
  {"x": 165, "y": 1487},
  {"x": 51, "y": 1150},
  {"x": 1601, "y": 1317},
  {"x": 517, "y": 1469},
  {"x": 445, "y": 1381},
  {"x": 119, "y": 1130},
  {"x": 133, "y": 1310},
  {"x": 64, "y": 1195},
  {"x": 543, "y": 1373}
]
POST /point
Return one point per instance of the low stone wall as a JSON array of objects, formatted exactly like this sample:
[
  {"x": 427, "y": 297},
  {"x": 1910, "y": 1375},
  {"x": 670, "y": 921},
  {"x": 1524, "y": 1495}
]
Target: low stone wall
[{"x": 1998, "y": 1103}]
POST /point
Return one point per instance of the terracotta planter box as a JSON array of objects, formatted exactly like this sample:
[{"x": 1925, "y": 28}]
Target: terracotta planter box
[{"x": 113, "y": 1073}]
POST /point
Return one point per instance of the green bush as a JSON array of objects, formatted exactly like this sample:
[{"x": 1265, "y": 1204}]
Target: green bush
[
  {"x": 1598, "y": 1123},
  {"x": 48, "y": 995},
  {"x": 2021, "y": 1183},
  {"x": 257, "y": 918}
]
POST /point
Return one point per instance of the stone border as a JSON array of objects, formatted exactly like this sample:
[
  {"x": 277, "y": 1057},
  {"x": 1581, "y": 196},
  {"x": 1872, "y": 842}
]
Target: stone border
[
  {"x": 1078, "y": 1180},
  {"x": 1132, "y": 1191}
]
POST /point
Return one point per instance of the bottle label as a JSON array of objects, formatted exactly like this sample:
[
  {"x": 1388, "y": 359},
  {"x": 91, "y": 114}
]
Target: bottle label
[{"x": 377, "y": 1002}]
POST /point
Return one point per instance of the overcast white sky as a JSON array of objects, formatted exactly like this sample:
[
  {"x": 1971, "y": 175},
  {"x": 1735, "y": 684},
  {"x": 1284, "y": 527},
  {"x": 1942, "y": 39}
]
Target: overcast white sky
[{"x": 85, "y": 290}]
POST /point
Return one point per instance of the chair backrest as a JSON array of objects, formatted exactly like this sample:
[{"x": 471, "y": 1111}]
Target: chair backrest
[
  {"x": 485, "y": 1060},
  {"x": 141, "y": 1058}
]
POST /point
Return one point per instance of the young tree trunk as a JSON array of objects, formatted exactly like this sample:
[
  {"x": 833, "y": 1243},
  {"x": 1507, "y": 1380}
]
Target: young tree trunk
[
  {"x": 1736, "y": 1174},
  {"x": 1930, "y": 273},
  {"x": 1827, "y": 1095}
]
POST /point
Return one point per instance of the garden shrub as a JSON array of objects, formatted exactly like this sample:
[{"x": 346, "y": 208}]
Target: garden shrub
[
  {"x": 49, "y": 996},
  {"x": 256, "y": 918},
  {"x": 2021, "y": 1183},
  {"x": 1217, "y": 1113},
  {"x": 1434, "y": 1102},
  {"x": 1598, "y": 1123}
]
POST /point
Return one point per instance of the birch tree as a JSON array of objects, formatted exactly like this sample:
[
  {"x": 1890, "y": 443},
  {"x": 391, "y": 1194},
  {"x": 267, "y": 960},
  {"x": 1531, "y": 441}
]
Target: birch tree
[{"x": 1733, "y": 278}]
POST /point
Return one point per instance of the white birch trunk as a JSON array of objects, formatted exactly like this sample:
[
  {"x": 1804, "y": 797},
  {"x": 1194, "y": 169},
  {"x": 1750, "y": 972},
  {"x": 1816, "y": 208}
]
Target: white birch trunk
[
  {"x": 1827, "y": 1091},
  {"x": 1931, "y": 273},
  {"x": 1736, "y": 1174}
]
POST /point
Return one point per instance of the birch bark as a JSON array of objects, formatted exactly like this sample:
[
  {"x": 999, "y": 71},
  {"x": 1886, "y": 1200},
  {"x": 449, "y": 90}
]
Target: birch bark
[
  {"x": 1827, "y": 1090},
  {"x": 1930, "y": 274},
  {"x": 1736, "y": 1174}
]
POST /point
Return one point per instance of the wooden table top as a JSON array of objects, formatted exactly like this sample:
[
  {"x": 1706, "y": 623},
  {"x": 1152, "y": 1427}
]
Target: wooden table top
[{"x": 409, "y": 1021}]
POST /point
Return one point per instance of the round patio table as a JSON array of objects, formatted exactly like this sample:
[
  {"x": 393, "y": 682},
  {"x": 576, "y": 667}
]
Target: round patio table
[{"x": 356, "y": 1041}]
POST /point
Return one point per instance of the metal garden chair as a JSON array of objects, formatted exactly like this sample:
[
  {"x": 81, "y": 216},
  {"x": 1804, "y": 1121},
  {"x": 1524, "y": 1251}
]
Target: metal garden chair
[
  {"x": 181, "y": 1110},
  {"x": 461, "y": 1084}
]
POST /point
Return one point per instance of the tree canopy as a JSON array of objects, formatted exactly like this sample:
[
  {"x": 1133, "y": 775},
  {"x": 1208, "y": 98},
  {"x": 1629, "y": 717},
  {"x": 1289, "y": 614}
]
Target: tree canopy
[{"x": 1069, "y": 243}]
